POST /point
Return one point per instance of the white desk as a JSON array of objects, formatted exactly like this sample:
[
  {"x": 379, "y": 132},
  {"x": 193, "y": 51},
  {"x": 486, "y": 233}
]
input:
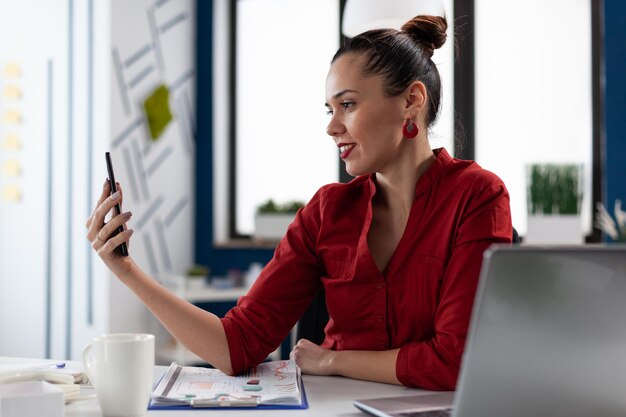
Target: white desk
[
  {"x": 205, "y": 293},
  {"x": 327, "y": 396}
]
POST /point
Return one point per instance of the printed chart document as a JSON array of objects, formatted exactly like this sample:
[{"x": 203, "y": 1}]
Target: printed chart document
[{"x": 275, "y": 384}]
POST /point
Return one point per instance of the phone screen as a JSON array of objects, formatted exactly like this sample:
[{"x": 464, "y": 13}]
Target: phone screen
[{"x": 121, "y": 249}]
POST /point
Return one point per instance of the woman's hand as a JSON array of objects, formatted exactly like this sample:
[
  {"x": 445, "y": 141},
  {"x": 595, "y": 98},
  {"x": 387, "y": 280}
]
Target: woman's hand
[
  {"x": 100, "y": 234},
  {"x": 377, "y": 366},
  {"x": 312, "y": 359}
]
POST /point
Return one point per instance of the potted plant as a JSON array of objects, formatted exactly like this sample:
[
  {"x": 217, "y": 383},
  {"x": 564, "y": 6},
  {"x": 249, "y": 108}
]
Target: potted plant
[
  {"x": 197, "y": 276},
  {"x": 554, "y": 199},
  {"x": 271, "y": 219}
]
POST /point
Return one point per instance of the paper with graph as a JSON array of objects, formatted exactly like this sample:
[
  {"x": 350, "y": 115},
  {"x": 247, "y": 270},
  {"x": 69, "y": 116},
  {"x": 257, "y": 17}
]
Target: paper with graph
[{"x": 276, "y": 383}]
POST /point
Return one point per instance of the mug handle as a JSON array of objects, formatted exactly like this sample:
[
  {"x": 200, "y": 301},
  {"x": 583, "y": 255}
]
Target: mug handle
[{"x": 87, "y": 363}]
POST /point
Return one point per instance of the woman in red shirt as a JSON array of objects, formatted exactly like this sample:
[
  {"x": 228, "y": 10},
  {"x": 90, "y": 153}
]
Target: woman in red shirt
[{"x": 398, "y": 250}]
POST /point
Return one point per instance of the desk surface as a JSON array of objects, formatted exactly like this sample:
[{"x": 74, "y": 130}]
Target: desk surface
[{"x": 327, "y": 395}]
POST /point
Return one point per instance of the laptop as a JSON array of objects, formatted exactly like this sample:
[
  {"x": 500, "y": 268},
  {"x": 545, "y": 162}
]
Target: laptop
[{"x": 547, "y": 338}]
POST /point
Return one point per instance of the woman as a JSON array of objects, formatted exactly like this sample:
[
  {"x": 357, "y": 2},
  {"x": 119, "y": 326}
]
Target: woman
[{"x": 398, "y": 249}]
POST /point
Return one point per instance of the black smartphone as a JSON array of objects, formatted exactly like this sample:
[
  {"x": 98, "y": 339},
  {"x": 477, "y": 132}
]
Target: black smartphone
[{"x": 121, "y": 249}]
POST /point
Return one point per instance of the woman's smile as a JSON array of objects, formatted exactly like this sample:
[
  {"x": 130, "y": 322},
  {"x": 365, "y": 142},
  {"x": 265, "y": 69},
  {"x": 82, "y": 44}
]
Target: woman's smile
[{"x": 345, "y": 149}]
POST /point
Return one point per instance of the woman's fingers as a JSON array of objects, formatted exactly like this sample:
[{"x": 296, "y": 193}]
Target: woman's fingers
[
  {"x": 113, "y": 211},
  {"x": 104, "y": 248},
  {"x": 105, "y": 193},
  {"x": 108, "y": 231},
  {"x": 301, "y": 345},
  {"x": 110, "y": 228},
  {"x": 103, "y": 235},
  {"x": 311, "y": 358},
  {"x": 97, "y": 218}
]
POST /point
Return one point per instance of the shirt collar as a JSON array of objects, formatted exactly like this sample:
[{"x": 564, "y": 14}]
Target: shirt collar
[
  {"x": 434, "y": 171},
  {"x": 432, "y": 174}
]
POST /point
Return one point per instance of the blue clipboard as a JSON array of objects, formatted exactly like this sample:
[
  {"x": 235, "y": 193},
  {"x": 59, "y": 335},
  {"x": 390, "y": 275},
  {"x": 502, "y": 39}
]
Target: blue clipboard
[{"x": 302, "y": 406}]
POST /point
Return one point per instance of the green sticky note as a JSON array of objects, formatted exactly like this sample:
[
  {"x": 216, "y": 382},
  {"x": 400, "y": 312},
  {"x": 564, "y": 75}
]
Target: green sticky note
[{"x": 157, "y": 109}]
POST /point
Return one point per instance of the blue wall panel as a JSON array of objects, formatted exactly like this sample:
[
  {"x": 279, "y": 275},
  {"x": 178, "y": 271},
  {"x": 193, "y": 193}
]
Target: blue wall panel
[
  {"x": 615, "y": 70},
  {"x": 218, "y": 259}
]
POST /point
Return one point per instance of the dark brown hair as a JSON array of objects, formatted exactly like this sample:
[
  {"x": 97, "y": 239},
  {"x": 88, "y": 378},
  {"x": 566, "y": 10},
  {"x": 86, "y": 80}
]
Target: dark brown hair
[{"x": 402, "y": 57}]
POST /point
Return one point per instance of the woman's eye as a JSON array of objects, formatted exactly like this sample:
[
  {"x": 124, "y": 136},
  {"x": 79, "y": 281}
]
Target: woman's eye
[{"x": 346, "y": 105}]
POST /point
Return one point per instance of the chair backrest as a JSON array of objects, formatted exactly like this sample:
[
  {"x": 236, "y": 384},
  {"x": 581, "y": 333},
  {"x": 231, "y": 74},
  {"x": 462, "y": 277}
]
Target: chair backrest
[
  {"x": 313, "y": 321},
  {"x": 515, "y": 238}
]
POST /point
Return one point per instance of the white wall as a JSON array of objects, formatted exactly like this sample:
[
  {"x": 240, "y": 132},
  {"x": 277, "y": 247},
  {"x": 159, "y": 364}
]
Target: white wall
[
  {"x": 30, "y": 40},
  {"x": 55, "y": 294},
  {"x": 156, "y": 39}
]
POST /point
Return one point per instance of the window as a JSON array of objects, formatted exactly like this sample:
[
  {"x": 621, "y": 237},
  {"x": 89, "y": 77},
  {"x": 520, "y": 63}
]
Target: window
[
  {"x": 534, "y": 91},
  {"x": 281, "y": 149}
]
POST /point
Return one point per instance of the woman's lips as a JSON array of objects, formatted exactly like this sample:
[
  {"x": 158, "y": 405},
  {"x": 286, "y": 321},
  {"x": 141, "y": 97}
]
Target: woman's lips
[{"x": 345, "y": 149}]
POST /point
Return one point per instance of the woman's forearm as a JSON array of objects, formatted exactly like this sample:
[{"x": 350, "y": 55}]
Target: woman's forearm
[
  {"x": 367, "y": 365},
  {"x": 200, "y": 331},
  {"x": 377, "y": 366}
]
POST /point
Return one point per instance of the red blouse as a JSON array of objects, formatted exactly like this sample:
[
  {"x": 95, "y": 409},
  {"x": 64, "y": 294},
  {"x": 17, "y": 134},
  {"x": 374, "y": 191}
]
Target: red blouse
[{"x": 422, "y": 301}]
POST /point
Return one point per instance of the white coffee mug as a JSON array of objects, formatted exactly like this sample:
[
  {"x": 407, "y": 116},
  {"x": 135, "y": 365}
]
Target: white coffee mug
[{"x": 121, "y": 368}]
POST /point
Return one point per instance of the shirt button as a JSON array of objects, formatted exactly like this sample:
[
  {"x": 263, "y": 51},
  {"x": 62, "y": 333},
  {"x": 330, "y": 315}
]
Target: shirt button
[
  {"x": 380, "y": 318},
  {"x": 380, "y": 285}
]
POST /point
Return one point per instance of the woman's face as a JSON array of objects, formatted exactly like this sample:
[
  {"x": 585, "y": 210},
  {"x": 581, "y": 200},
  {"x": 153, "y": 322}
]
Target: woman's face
[{"x": 365, "y": 123}]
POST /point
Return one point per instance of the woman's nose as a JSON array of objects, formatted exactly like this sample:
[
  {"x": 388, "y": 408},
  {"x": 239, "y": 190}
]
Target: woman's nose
[{"x": 335, "y": 127}]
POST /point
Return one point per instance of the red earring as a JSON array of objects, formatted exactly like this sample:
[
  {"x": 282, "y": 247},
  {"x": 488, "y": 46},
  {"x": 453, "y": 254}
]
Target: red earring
[{"x": 410, "y": 129}]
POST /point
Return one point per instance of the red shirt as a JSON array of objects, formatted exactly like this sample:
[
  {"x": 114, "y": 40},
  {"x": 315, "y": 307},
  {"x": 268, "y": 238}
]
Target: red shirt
[{"x": 422, "y": 301}]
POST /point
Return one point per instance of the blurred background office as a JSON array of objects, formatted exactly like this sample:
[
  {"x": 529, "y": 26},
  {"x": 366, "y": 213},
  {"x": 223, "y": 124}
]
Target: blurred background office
[{"x": 212, "y": 108}]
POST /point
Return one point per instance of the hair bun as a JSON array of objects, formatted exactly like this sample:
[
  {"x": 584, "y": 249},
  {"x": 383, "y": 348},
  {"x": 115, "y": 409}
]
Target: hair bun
[{"x": 428, "y": 31}]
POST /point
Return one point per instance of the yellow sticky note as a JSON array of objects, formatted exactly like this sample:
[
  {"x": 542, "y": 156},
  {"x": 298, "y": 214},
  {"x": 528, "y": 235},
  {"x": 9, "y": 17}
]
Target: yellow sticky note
[
  {"x": 12, "y": 92},
  {"x": 12, "y": 117},
  {"x": 12, "y": 168},
  {"x": 12, "y": 142},
  {"x": 12, "y": 69},
  {"x": 11, "y": 193}
]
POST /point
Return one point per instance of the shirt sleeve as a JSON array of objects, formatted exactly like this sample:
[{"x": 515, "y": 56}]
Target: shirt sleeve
[
  {"x": 435, "y": 363},
  {"x": 261, "y": 320}
]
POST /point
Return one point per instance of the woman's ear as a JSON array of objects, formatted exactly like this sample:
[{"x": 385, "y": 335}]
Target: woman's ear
[{"x": 415, "y": 95}]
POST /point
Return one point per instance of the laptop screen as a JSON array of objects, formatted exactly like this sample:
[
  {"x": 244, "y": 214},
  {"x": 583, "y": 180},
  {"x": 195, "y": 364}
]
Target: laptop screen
[{"x": 548, "y": 334}]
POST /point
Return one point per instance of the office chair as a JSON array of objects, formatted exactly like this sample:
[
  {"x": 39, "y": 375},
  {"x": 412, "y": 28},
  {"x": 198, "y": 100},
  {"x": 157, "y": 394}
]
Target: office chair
[{"x": 313, "y": 321}]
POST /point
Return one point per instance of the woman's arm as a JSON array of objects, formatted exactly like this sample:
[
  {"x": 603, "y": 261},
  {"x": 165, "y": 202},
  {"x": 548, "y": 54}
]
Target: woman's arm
[
  {"x": 376, "y": 366},
  {"x": 435, "y": 363},
  {"x": 197, "y": 329},
  {"x": 200, "y": 331},
  {"x": 262, "y": 318}
]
